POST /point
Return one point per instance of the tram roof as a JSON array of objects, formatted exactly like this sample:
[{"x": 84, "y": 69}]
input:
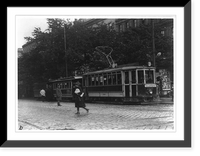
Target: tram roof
[
  {"x": 66, "y": 78},
  {"x": 120, "y": 68}
]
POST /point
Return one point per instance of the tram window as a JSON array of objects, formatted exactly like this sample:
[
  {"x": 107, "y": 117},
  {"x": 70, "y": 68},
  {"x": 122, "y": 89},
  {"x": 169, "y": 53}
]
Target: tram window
[
  {"x": 114, "y": 77},
  {"x": 149, "y": 76},
  {"x": 93, "y": 79},
  {"x": 58, "y": 84},
  {"x": 109, "y": 79},
  {"x": 140, "y": 76},
  {"x": 97, "y": 79},
  {"x": 119, "y": 78},
  {"x": 126, "y": 77},
  {"x": 61, "y": 85},
  {"x": 105, "y": 78},
  {"x": 68, "y": 85},
  {"x": 133, "y": 76},
  {"x": 89, "y": 80},
  {"x": 100, "y": 79},
  {"x": 86, "y": 80}
]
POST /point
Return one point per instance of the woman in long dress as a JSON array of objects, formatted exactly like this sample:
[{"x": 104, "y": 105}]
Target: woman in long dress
[{"x": 79, "y": 98}]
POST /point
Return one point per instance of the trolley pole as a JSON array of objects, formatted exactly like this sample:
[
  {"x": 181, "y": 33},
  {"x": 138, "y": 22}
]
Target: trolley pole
[{"x": 65, "y": 40}]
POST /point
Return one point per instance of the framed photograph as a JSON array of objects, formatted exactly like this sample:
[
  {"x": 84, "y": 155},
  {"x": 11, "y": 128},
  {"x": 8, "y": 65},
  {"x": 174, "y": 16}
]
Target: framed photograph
[{"x": 105, "y": 77}]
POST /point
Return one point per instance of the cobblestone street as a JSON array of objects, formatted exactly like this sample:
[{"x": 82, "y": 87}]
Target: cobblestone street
[{"x": 37, "y": 115}]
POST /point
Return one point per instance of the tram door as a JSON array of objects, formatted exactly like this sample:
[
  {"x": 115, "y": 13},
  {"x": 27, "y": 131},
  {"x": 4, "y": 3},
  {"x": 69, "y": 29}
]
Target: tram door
[
  {"x": 127, "y": 83},
  {"x": 133, "y": 83},
  {"x": 130, "y": 83}
]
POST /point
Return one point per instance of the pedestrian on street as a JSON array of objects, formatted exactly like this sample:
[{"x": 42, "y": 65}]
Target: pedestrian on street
[
  {"x": 58, "y": 95},
  {"x": 79, "y": 97},
  {"x": 42, "y": 93},
  {"x": 172, "y": 91}
]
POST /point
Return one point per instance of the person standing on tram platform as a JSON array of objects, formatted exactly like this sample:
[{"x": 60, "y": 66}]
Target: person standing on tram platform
[{"x": 79, "y": 97}]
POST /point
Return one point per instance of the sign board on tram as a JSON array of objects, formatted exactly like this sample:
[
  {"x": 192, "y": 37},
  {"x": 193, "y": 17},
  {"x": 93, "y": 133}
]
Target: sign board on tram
[{"x": 150, "y": 85}]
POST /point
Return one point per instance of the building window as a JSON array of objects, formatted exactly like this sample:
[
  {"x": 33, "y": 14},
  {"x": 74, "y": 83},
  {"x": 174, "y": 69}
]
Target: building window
[
  {"x": 131, "y": 23},
  {"x": 163, "y": 33},
  {"x": 110, "y": 26},
  {"x": 147, "y": 21},
  {"x": 136, "y": 23}
]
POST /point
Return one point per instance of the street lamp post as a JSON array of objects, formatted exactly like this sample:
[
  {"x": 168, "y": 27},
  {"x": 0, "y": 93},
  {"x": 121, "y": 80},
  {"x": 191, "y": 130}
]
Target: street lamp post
[
  {"x": 154, "y": 55},
  {"x": 65, "y": 51}
]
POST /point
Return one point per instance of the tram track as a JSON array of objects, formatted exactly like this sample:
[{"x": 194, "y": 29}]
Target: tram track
[{"x": 30, "y": 124}]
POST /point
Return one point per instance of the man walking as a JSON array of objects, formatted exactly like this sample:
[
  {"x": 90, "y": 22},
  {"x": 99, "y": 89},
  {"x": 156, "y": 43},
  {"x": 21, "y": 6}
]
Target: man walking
[
  {"x": 58, "y": 95},
  {"x": 79, "y": 99}
]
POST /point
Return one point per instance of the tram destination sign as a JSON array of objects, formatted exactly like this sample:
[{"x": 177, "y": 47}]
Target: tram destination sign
[{"x": 150, "y": 85}]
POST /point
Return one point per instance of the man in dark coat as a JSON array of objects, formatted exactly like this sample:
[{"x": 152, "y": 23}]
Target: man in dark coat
[
  {"x": 79, "y": 99},
  {"x": 58, "y": 95}
]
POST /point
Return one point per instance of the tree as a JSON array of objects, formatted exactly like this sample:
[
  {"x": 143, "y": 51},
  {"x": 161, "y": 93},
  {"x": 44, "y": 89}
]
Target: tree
[{"x": 48, "y": 59}]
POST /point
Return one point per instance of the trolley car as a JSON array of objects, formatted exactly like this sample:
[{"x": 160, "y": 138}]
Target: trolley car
[
  {"x": 66, "y": 86},
  {"x": 123, "y": 84},
  {"x": 133, "y": 84}
]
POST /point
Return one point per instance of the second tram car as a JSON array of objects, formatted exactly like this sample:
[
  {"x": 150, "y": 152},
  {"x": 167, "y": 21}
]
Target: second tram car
[
  {"x": 123, "y": 84},
  {"x": 66, "y": 86}
]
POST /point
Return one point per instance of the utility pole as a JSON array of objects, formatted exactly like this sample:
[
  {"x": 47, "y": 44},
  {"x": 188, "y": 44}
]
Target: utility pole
[
  {"x": 154, "y": 55},
  {"x": 65, "y": 51},
  {"x": 153, "y": 44}
]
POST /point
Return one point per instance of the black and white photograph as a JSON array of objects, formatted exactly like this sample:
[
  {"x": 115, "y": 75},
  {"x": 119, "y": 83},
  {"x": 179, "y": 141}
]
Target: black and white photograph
[
  {"x": 99, "y": 77},
  {"x": 95, "y": 73}
]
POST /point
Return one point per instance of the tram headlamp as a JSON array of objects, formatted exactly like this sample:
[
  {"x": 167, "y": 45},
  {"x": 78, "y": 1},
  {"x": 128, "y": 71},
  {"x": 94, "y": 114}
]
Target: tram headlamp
[{"x": 150, "y": 91}]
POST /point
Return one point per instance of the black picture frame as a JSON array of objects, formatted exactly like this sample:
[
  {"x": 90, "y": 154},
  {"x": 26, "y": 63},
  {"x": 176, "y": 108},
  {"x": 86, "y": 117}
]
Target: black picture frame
[{"x": 124, "y": 143}]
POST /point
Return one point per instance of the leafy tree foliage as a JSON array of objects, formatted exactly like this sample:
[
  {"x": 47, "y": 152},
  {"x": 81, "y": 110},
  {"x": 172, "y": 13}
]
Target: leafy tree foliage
[{"x": 48, "y": 59}]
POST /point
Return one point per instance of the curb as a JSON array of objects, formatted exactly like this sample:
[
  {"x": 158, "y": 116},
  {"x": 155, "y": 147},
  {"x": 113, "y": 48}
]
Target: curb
[{"x": 159, "y": 102}]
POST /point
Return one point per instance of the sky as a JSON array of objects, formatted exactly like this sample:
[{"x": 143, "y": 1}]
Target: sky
[{"x": 25, "y": 25}]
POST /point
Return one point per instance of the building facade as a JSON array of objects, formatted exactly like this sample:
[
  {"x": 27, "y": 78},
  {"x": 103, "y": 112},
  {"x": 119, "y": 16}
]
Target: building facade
[
  {"x": 29, "y": 46},
  {"x": 19, "y": 52},
  {"x": 122, "y": 25},
  {"x": 94, "y": 22}
]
